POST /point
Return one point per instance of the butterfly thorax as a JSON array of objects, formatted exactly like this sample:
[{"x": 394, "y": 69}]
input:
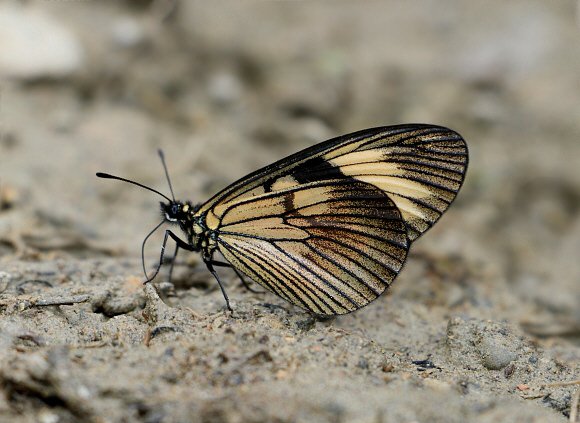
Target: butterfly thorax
[{"x": 191, "y": 223}]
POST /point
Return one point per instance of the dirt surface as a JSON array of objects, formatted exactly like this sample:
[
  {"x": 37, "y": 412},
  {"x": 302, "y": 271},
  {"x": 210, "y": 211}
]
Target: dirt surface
[{"x": 482, "y": 325}]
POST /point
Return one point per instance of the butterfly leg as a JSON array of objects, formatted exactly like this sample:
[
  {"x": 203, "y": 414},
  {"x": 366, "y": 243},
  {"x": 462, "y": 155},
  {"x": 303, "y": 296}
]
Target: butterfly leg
[
  {"x": 180, "y": 244},
  {"x": 248, "y": 287},
  {"x": 170, "y": 276},
  {"x": 209, "y": 263}
]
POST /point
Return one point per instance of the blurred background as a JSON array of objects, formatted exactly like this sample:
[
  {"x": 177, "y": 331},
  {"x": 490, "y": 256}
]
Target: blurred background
[{"x": 228, "y": 87}]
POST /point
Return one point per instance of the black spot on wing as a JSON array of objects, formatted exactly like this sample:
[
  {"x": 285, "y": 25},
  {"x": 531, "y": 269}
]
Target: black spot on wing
[
  {"x": 316, "y": 169},
  {"x": 311, "y": 170}
]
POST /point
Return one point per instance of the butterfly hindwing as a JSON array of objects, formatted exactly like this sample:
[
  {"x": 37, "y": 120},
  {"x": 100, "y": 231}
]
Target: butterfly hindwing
[{"x": 328, "y": 246}]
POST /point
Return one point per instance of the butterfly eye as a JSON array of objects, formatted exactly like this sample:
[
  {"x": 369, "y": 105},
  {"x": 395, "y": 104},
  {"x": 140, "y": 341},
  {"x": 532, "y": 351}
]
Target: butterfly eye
[{"x": 174, "y": 209}]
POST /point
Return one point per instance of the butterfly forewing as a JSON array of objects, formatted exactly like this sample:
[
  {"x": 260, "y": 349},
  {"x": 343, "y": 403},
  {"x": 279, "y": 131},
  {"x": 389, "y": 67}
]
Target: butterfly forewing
[
  {"x": 330, "y": 246},
  {"x": 419, "y": 167}
]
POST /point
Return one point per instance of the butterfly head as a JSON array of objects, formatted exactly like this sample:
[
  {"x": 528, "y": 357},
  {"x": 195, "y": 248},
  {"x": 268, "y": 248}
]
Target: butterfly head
[
  {"x": 177, "y": 211},
  {"x": 172, "y": 211}
]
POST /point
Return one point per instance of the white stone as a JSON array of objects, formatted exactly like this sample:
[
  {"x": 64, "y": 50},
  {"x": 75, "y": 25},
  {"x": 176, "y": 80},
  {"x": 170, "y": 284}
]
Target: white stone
[{"x": 34, "y": 45}]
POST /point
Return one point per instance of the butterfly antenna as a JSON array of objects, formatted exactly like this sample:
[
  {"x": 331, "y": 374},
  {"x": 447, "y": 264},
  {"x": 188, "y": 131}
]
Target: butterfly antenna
[
  {"x": 107, "y": 176},
  {"x": 143, "y": 247},
  {"x": 162, "y": 157}
]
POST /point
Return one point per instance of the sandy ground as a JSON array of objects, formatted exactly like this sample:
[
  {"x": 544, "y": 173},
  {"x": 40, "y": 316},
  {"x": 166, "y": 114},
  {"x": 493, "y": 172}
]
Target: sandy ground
[{"x": 482, "y": 325}]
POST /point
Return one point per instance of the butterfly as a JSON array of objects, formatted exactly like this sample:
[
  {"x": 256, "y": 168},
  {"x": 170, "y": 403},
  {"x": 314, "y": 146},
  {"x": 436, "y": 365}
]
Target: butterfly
[{"x": 328, "y": 228}]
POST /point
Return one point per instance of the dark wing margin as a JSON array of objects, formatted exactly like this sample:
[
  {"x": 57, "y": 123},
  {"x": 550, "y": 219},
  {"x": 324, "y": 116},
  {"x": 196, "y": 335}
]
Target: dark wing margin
[
  {"x": 419, "y": 167},
  {"x": 329, "y": 246}
]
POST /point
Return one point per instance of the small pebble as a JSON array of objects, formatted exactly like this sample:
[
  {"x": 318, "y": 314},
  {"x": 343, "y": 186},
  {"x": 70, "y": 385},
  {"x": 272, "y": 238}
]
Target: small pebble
[
  {"x": 494, "y": 356},
  {"x": 388, "y": 367},
  {"x": 363, "y": 363},
  {"x": 509, "y": 370}
]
